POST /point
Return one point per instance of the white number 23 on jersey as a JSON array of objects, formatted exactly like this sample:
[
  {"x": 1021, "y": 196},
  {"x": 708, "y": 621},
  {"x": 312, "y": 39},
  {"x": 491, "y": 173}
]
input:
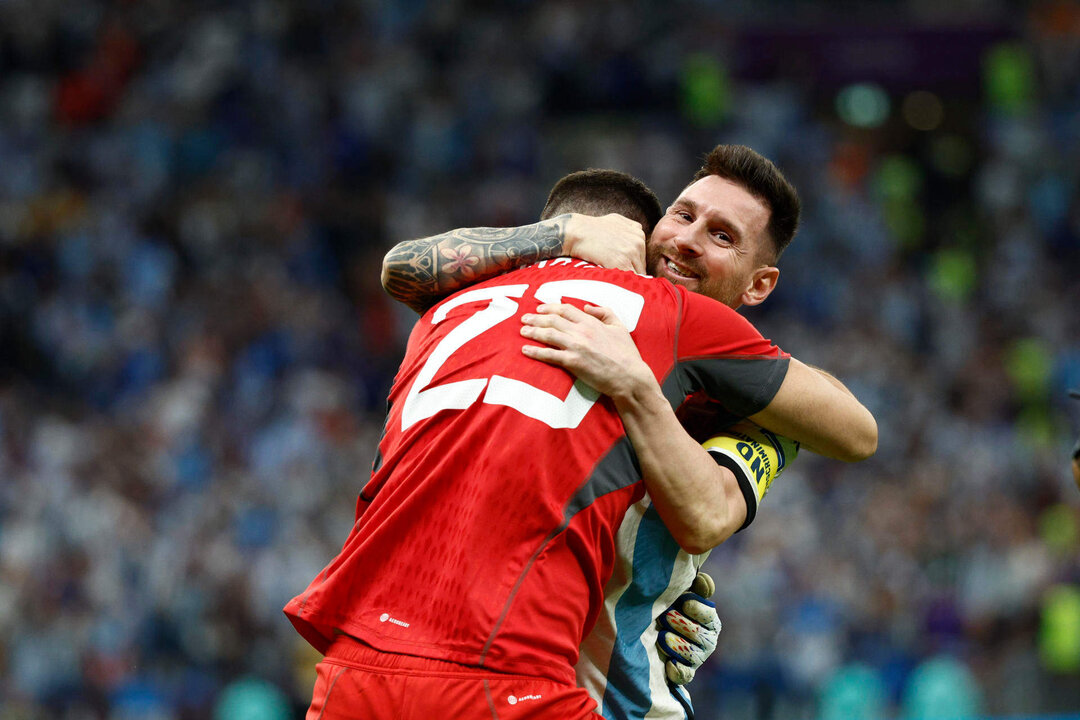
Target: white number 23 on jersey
[{"x": 494, "y": 305}]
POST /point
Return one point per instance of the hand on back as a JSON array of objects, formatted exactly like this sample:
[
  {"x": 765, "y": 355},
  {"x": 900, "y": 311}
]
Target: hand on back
[
  {"x": 611, "y": 241},
  {"x": 591, "y": 343}
]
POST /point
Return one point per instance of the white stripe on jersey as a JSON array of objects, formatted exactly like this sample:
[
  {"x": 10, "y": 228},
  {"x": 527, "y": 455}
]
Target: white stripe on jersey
[{"x": 619, "y": 664}]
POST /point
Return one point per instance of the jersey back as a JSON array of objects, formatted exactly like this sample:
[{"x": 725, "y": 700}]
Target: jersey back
[{"x": 487, "y": 530}]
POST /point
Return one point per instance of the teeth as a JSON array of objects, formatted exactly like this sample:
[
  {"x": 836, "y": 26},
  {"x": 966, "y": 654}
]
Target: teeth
[{"x": 677, "y": 270}]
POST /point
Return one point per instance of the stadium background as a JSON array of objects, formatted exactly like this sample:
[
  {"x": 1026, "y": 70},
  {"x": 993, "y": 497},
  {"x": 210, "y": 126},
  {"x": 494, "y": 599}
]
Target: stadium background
[{"x": 194, "y": 348}]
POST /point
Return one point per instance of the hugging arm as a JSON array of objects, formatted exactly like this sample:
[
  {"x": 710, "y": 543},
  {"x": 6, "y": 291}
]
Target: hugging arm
[
  {"x": 700, "y": 501},
  {"x": 420, "y": 273},
  {"x": 816, "y": 409}
]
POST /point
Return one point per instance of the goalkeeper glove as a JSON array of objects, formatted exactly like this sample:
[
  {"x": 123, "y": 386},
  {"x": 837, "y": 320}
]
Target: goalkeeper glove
[{"x": 689, "y": 631}]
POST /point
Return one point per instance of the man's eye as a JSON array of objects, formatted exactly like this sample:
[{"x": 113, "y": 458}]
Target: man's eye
[{"x": 722, "y": 236}]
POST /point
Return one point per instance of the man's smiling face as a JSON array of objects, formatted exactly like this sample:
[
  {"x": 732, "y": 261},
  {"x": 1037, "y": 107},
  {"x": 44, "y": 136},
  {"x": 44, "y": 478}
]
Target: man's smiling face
[{"x": 713, "y": 240}]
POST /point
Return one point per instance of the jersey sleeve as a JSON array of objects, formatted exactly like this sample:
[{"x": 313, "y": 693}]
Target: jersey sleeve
[
  {"x": 756, "y": 456},
  {"x": 719, "y": 353}
]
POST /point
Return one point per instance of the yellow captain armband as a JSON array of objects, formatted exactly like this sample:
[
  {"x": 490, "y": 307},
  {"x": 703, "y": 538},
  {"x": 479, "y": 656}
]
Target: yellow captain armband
[{"x": 756, "y": 456}]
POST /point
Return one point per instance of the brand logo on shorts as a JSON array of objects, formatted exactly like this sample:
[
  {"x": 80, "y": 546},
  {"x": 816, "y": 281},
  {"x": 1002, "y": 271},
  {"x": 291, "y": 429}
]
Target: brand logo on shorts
[
  {"x": 514, "y": 699},
  {"x": 385, "y": 617}
]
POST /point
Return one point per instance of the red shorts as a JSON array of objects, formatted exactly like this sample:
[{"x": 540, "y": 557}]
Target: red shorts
[{"x": 356, "y": 682}]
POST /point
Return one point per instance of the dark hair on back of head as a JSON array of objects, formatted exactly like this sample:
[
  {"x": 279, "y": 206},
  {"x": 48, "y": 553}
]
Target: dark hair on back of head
[
  {"x": 600, "y": 192},
  {"x": 762, "y": 179}
]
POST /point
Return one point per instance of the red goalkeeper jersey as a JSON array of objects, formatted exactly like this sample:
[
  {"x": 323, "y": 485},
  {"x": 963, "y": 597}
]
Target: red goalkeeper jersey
[{"x": 486, "y": 532}]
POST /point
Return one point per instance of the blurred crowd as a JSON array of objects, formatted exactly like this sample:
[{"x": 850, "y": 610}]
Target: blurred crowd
[{"x": 195, "y": 351}]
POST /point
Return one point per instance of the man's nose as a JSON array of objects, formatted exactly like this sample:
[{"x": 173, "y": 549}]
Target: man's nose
[{"x": 687, "y": 241}]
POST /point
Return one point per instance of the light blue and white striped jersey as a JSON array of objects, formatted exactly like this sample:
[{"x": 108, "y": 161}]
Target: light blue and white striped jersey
[{"x": 619, "y": 664}]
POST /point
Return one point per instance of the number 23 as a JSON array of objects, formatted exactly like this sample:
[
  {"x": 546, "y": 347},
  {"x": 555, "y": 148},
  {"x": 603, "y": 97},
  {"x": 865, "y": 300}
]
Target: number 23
[{"x": 423, "y": 401}]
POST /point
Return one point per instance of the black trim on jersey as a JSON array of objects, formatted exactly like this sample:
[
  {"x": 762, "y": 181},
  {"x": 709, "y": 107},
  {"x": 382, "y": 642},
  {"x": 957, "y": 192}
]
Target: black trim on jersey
[
  {"x": 682, "y": 697},
  {"x": 745, "y": 384},
  {"x": 618, "y": 469},
  {"x": 745, "y": 484},
  {"x": 615, "y": 471},
  {"x": 377, "y": 462}
]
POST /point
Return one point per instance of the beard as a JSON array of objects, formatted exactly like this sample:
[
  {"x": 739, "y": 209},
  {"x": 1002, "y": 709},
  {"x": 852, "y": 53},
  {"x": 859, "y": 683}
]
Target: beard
[{"x": 727, "y": 290}]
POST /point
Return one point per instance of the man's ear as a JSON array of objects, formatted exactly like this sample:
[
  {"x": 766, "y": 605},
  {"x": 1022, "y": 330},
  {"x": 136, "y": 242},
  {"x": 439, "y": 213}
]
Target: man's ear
[{"x": 763, "y": 282}]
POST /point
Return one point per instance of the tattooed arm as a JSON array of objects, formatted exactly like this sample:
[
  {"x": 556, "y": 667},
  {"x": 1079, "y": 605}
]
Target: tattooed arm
[{"x": 422, "y": 272}]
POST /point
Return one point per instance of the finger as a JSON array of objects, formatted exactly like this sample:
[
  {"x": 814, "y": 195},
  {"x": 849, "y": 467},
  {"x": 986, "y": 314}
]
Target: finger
[
  {"x": 699, "y": 633},
  {"x": 623, "y": 261},
  {"x": 680, "y": 650},
  {"x": 603, "y": 314},
  {"x": 547, "y": 320},
  {"x": 620, "y": 219},
  {"x": 678, "y": 674},
  {"x": 703, "y": 585},
  {"x": 677, "y": 670},
  {"x": 634, "y": 253},
  {"x": 551, "y": 356},
  {"x": 563, "y": 310},
  {"x": 698, "y": 609},
  {"x": 702, "y": 634},
  {"x": 546, "y": 335}
]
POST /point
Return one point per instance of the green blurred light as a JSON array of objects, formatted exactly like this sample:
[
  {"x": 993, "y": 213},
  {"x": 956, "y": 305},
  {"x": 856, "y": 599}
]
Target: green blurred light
[
  {"x": 864, "y": 105},
  {"x": 706, "y": 90},
  {"x": 1034, "y": 428},
  {"x": 1030, "y": 364},
  {"x": 1057, "y": 528},
  {"x": 1059, "y": 630},
  {"x": 906, "y": 222},
  {"x": 898, "y": 177},
  {"x": 896, "y": 184},
  {"x": 953, "y": 274},
  {"x": 1009, "y": 78}
]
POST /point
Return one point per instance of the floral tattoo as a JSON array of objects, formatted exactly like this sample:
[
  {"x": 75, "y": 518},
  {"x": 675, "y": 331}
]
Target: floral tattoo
[{"x": 421, "y": 272}]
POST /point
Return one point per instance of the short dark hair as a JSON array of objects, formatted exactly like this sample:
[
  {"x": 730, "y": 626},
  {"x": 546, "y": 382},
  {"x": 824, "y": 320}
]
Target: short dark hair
[
  {"x": 600, "y": 192},
  {"x": 762, "y": 179}
]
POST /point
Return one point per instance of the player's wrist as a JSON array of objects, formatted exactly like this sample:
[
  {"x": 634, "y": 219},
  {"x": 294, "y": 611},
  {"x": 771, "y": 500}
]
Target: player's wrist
[
  {"x": 569, "y": 233},
  {"x": 640, "y": 395}
]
